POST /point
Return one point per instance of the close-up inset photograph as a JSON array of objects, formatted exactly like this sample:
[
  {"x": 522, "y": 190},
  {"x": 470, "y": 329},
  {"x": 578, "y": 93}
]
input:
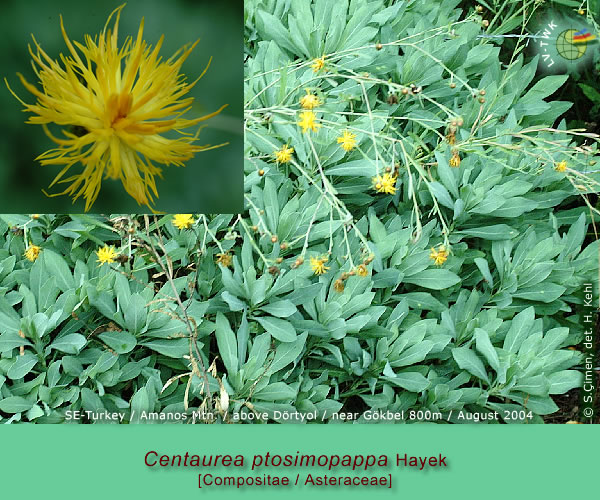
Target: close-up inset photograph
[{"x": 134, "y": 107}]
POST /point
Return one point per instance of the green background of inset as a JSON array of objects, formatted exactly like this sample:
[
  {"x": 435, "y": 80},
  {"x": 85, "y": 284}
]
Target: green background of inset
[
  {"x": 107, "y": 461},
  {"x": 212, "y": 182}
]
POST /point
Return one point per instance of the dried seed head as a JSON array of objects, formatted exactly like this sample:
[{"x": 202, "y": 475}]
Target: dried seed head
[{"x": 338, "y": 286}]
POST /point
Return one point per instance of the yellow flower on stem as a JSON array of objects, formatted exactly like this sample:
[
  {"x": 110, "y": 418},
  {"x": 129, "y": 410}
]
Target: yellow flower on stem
[
  {"x": 385, "y": 183},
  {"x": 561, "y": 166},
  {"x": 114, "y": 104},
  {"x": 283, "y": 155},
  {"x": 362, "y": 271},
  {"x": 317, "y": 264},
  {"x": 455, "y": 160},
  {"x": 307, "y": 121},
  {"x": 106, "y": 255},
  {"x": 32, "y": 252},
  {"x": 224, "y": 259},
  {"x": 183, "y": 221},
  {"x": 310, "y": 100},
  {"x": 439, "y": 256},
  {"x": 347, "y": 140},
  {"x": 318, "y": 64}
]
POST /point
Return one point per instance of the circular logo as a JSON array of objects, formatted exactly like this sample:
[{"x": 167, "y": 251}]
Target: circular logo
[{"x": 566, "y": 48}]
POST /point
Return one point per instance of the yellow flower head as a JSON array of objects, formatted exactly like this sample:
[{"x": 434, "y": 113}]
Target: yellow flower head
[
  {"x": 455, "y": 160},
  {"x": 439, "y": 256},
  {"x": 283, "y": 155},
  {"x": 318, "y": 64},
  {"x": 307, "y": 121},
  {"x": 561, "y": 166},
  {"x": 362, "y": 271},
  {"x": 106, "y": 254},
  {"x": 309, "y": 101},
  {"x": 347, "y": 140},
  {"x": 114, "y": 104},
  {"x": 385, "y": 183},
  {"x": 224, "y": 259},
  {"x": 318, "y": 265},
  {"x": 32, "y": 252},
  {"x": 183, "y": 221}
]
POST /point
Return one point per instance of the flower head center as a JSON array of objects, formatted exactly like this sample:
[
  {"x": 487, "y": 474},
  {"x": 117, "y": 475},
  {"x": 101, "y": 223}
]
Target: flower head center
[{"x": 117, "y": 109}]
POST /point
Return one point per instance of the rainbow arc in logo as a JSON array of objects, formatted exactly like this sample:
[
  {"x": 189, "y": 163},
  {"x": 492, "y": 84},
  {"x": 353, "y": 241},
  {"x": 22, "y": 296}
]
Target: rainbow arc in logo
[{"x": 583, "y": 36}]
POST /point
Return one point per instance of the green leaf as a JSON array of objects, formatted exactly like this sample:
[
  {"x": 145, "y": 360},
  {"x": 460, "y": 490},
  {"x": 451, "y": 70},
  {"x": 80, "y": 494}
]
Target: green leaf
[
  {"x": 485, "y": 347},
  {"x": 22, "y": 366},
  {"x": 174, "y": 348},
  {"x": 281, "y": 329},
  {"x": 414, "y": 354},
  {"x": 120, "y": 342},
  {"x": 495, "y": 232},
  {"x": 140, "y": 402},
  {"x": 70, "y": 344},
  {"x": 280, "y": 308},
  {"x": 537, "y": 385},
  {"x": 10, "y": 340},
  {"x": 287, "y": 352},
  {"x": 520, "y": 328},
  {"x": 564, "y": 380},
  {"x": 590, "y": 92},
  {"x": 484, "y": 268},
  {"x": 543, "y": 292},
  {"x": 410, "y": 381},
  {"x": 227, "y": 344},
  {"x": 434, "y": 279},
  {"x": 15, "y": 404},
  {"x": 278, "y": 391},
  {"x": 468, "y": 360},
  {"x": 57, "y": 267},
  {"x": 355, "y": 168},
  {"x": 136, "y": 314}
]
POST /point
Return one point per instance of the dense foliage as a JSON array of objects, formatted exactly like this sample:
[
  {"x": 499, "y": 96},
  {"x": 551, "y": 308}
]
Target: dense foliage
[{"x": 416, "y": 238}]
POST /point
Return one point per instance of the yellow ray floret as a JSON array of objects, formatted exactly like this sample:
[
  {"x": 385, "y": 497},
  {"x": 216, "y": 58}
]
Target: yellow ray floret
[
  {"x": 347, "y": 140},
  {"x": 283, "y": 155},
  {"x": 183, "y": 221},
  {"x": 32, "y": 252},
  {"x": 106, "y": 255},
  {"x": 317, "y": 264},
  {"x": 121, "y": 100}
]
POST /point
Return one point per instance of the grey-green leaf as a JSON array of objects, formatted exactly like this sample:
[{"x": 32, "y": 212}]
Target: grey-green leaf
[{"x": 468, "y": 360}]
